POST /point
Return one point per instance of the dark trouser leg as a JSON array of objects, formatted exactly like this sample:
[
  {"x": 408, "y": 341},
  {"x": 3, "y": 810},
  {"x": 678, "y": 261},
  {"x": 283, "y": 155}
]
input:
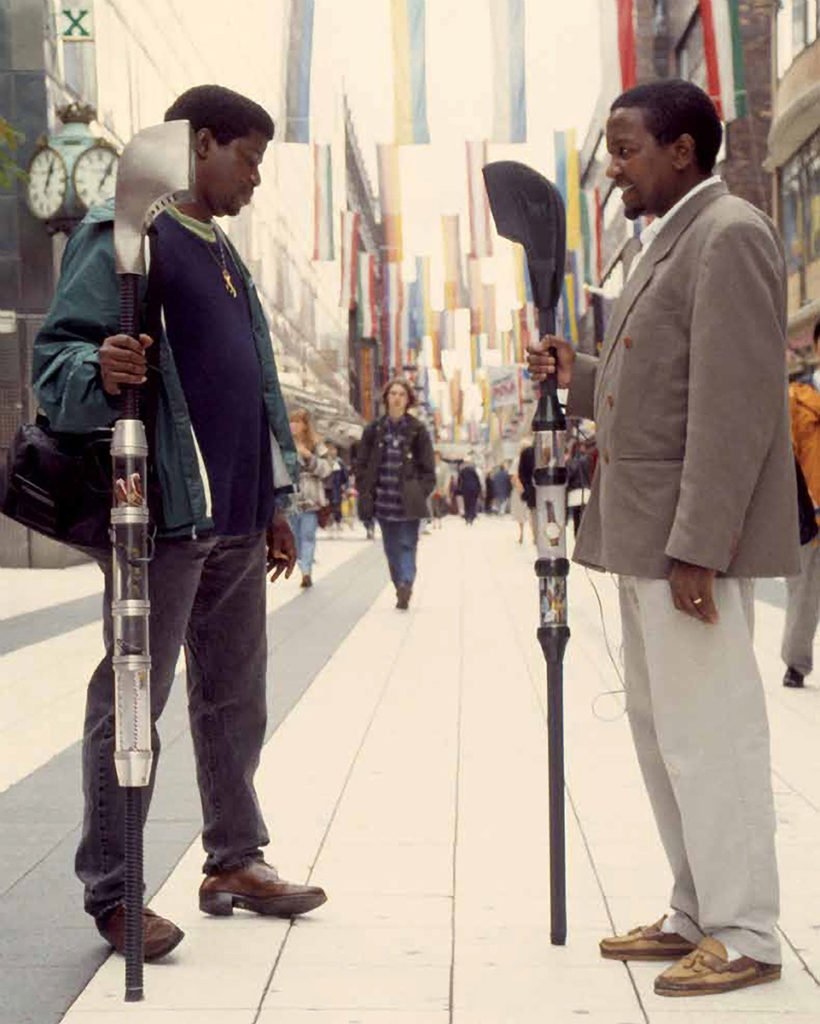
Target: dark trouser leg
[
  {"x": 173, "y": 581},
  {"x": 408, "y": 540},
  {"x": 390, "y": 540},
  {"x": 226, "y": 656}
]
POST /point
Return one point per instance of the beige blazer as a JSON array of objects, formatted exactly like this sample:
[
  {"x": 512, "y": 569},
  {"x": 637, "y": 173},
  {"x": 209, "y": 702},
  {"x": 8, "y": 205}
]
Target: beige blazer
[{"x": 690, "y": 401}]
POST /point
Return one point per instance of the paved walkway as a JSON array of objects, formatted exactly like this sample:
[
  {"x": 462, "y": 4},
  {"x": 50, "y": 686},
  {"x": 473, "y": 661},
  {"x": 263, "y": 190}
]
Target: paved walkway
[{"x": 410, "y": 780}]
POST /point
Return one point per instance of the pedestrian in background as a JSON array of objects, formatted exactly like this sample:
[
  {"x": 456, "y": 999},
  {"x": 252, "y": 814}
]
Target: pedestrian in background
[
  {"x": 518, "y": 507},
  {"x": 441, "y": 499},
  {"x": 526, "y": 468},
  {"x": 579, "y": 481},
  {"x": 395, "y": 474},
  {"x": 803, "y": 591},
  {"x": 502, "y": 488},
  {"x": 469, "y": 489},
  {"x": 224, "y": 461},
  {"x": 335, "y": 485},
  {"x": 314, "y": 468}
]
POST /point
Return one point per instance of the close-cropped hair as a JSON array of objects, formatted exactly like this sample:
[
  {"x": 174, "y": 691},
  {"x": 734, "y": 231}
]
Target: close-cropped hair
[
  {"x": 312, "y": 438},
  {"x": 408, "y": 387},
  {"x": 227, "y": 114},
  {"x": 672, "y": 108}
]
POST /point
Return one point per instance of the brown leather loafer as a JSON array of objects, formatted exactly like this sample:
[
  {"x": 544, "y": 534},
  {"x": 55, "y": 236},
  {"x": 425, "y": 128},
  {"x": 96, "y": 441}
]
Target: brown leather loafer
[
  {"x": 707, "y": 971},
  {"x": 403, "y": 593},
  {"x": 646, "y": 943},
  {"x": 159, "y": 936},
  {"x": 259, "y": 888}
]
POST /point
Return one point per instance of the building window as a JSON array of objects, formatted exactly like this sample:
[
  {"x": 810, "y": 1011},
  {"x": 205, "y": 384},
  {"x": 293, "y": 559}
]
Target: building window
[
  {"x": 690, "y": 54},
  {"x": 800, "y": 25},
  {"x": 800, "y": 222}
]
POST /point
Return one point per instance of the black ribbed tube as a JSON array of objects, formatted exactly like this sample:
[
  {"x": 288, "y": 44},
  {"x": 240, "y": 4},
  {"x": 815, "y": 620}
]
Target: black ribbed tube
[
  {"x": 555, "y": 730},
  {"x": 133, "y": 894}
]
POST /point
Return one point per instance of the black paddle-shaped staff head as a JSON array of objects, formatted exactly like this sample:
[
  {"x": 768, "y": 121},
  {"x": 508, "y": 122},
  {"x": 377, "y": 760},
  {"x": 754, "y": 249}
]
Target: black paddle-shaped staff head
[{"x": 528, "y": 209}]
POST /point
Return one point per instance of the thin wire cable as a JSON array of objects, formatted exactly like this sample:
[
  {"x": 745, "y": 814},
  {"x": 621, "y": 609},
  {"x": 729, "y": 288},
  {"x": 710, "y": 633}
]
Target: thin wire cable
[{"x": 615, "y": 665}]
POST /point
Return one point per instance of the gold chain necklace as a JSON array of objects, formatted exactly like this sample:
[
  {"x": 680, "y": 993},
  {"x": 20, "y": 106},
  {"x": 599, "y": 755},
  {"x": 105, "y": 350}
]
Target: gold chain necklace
[{"x": 222, "y": 263}]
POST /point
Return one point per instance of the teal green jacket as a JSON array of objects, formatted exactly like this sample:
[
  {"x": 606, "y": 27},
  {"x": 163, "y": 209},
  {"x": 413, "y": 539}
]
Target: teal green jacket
[{"x": 68, "y": 383}]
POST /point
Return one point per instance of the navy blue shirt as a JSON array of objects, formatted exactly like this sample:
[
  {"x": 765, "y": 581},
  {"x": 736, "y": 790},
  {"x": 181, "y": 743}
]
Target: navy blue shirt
[{"x": 211, "y": 338}]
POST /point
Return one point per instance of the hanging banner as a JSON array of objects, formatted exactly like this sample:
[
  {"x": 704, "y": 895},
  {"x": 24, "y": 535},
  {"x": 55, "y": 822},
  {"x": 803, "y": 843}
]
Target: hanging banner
[
  {"x": 490, "y": 327},
  {"x": 409, "y": 76},
  {"x": 323, "y": 248},
  {"x": 481, "y": 239},
  {"x": 521, "y": 272},
  {"x": 476, "y": 289},
  {"x": 503, "y": 386},
  {"x": 366, "y": 295},
  {"x": 298, "y": 41},
  {"x": 350, "y": 248},
  {"x": 423, "y": 276},
  {"x": 509, "y": 71},
  {"x": 626, "y": 44},
  {"x": 723, "y": 49},
  {"x": 392, "y": 307},
  {"x": 390, "y": 199},
  {"x": 454, "y": 297}
]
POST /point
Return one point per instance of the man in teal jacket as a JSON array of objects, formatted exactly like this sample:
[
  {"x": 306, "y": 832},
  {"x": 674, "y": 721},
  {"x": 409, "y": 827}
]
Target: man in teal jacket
[{"x": 222, "y": 465}]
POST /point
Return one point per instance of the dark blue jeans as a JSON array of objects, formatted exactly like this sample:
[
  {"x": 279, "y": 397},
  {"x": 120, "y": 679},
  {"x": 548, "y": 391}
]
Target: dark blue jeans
[
  {"x": 210, "y": 595},
  {"x": 400, "y": 538}
]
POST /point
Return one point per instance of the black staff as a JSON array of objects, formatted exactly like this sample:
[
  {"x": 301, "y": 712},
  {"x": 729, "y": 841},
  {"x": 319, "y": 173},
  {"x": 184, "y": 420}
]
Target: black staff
[
  {"x": 156, "y": 168},
  {"x": 528, "y": 209}
]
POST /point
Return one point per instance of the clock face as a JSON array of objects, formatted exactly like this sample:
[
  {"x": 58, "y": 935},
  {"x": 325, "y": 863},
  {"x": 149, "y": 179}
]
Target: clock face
[
  {"x": 95, "y": 175},
  {"x": 47, "y": 183}
]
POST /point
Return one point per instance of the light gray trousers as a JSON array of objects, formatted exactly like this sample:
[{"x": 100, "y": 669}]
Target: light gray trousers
[
  {"x": 698, "y": 716},
  {"x": 802, "y": 611}
]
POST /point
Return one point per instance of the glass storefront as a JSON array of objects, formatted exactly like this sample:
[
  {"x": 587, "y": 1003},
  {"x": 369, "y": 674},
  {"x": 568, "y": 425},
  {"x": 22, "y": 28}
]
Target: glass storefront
[{"x": 800, "y": 222}]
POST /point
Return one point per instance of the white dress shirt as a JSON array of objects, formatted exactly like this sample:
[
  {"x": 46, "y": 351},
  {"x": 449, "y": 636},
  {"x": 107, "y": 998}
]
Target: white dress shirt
[{"x": 651, "y": 231}]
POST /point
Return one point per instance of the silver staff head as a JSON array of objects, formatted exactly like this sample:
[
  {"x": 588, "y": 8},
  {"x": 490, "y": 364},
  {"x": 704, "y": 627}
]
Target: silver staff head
[{"x": 156, "y": 168}]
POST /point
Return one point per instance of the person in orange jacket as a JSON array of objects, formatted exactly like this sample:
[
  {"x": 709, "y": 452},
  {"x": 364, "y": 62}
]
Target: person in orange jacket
[{"x": 803, "y": 591}]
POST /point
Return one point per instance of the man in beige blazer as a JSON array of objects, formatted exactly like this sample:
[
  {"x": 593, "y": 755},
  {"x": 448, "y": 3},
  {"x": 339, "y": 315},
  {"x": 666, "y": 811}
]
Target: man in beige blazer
[{"x": 693, "y": 497}]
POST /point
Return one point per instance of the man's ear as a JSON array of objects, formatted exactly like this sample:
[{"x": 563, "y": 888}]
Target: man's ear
[
  {"x": 683, "y": 151},
  {"x": 204, "y": 142}
]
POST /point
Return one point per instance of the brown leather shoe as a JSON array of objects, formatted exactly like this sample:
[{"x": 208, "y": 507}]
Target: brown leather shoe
[
  {"x": 159, "y": 936},
  {"x": 707, "y": 971},
  {"x": 257, "y": 887},
  {"x": 403, "y": 593},
  {"x": 646, "y": 943}
]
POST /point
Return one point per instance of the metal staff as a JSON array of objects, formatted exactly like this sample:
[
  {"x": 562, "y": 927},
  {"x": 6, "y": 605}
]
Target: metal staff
[
  {"x": 156, "y": 168},
  {"x": 528, "y": 209}
]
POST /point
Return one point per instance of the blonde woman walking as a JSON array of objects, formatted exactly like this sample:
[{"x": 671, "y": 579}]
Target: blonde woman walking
[{"x": 314, "y": 467}]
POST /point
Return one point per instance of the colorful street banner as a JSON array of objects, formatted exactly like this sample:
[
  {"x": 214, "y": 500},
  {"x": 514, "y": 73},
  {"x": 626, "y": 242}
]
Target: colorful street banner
[
  {"x": 507, "y": 349},
  {"x": 390, "y": 200},
  {"x": 298, "y": 40},
  {"x": 366, "y": 295},
  {"x": 435, "y": 338},
  {"x": 490, "y": 327},
  {"x": 626, "y": 44},
  {"x": 454, "y": 297},
  {"x": 521, "y": 272},
  {"x": 323, "y": 248},
  {"x": 423, "y": 277},
  {"x": 481, "y": 239},
  {"x": 447, "y": 330},
  {"x": 476, "y": 289},
  {"x": 568, "y": 180},
  {"x": 409, "y": 78},
  {"x": 475, "y": 353},
  {"x": 723, "y": 49},
  {"x": 417, "y": 314},
  {"x": 509, "y": 71},
  {"x": 503, "y": 386},
  {"x": 392, "y": 307},
  {"x": 570, "y": 299},
  {"x": 350, "y": 253}
]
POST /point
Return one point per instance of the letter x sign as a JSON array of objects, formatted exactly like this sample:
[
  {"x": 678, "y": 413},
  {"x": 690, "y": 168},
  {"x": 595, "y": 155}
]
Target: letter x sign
[{"x": 76, "y": 24}]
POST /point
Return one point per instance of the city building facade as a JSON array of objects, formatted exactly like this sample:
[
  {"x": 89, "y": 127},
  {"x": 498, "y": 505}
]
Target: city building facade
[{"x": 128, "y": 62}]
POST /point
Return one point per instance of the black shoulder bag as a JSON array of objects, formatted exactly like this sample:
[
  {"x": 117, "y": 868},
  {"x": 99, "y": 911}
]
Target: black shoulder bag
[{"x": 60, "y": 484}]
